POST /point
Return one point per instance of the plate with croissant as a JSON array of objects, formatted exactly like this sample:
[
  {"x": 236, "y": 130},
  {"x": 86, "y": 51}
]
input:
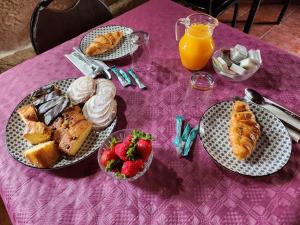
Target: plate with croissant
[
  {"x": 107, "y": 43},
  {"x": 245, "y": 138},
  {"x": 62, "y": 123}
]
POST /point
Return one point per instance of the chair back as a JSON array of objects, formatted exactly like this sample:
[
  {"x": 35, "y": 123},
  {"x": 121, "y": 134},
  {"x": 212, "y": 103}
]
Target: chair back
[{"x": 49, "y": 27}]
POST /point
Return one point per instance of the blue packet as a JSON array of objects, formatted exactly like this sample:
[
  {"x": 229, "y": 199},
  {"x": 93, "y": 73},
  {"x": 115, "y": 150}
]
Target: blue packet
[
  {"x": 136, "y": 79},
  {"x": 121, "y": 79},
  {"x": 178, "y": 141},
  {"x": 190, "y": 140},
  {"x": 126, "y": 76},
  {"x": 185, "y": 134}
]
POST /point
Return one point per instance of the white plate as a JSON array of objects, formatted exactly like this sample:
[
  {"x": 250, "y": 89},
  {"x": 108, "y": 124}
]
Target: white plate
[
  {"x": 273, "y": 149},
  {"x": 16, "y": 144},
  {"x": 121, "y": 50}
]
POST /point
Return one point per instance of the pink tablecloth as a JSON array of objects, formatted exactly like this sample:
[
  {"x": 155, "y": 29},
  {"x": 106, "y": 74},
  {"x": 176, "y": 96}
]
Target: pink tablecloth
[{"x": 173, "y": 191}]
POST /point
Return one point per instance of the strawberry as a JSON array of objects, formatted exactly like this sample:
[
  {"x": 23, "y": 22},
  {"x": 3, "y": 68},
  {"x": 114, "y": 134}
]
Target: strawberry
[
  {"x": 131, "y": 168},
  {"x": 144, "y": 148},
  {"x": 128, "y": 138},
  {"x": 107, "y": 156},
  {"x": 121, "y": 150}
]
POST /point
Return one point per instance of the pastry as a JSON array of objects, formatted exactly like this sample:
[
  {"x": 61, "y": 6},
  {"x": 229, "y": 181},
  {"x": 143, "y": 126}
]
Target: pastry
[
  {"x": 81, "y": 90},
  {"x": 75, "y": 136},
  {"x": 244, "y": 131},
  {"x": 54, "y": 112},
  {"x": 50, "y": 105},
  {"x": 28, "y": 113},
  {"x": 71, "y": 130},
  {"x": 100, "y": 110},
  {"x": 43, "y": 155},
  {"x": 103, "y": 43},
  {"x": 106, "y": 87},
  {"x": 45, "y": 98},
  {"x": 36, "y": 132}
]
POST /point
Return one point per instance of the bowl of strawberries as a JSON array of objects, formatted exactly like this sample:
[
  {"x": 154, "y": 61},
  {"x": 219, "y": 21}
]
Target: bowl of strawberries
[{"x": 126, "y": 154}]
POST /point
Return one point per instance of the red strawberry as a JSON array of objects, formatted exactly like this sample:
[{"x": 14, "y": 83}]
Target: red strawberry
[
  {"x": 121, "y": 150},
  {"x": 144, "y": 148},
  {"x": 107, "y": 156},
  {"x": 131, "y": 168},
  {"x": 128, "y": 138}
]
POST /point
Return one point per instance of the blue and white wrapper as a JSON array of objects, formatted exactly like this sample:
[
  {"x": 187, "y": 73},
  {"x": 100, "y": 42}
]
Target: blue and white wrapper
[
  {"x": 126, "y": 76},
  {"x": 136, "y": 79},
  {"x": 190, "y": 140},
  {"x": 121, "y": 79},
  {"x": 178, "y": 140}
]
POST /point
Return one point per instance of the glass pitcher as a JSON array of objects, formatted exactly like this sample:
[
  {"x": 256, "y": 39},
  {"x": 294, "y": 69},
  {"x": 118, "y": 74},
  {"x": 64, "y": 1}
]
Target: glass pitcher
[{"x": 196, "y": 45}]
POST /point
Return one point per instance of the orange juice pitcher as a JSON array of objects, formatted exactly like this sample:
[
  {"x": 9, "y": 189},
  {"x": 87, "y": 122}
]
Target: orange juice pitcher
[{"x": 196, "y": 45}]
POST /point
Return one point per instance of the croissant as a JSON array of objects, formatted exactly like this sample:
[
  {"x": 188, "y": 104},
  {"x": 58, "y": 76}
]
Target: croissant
[
  {"x": 103, "y": 43},
  {"x": 244, "y": 131}
]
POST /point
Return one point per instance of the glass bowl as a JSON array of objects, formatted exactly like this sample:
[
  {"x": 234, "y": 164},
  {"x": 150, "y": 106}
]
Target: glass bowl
[
  {"x": 120, "y": 135},
  {"x": 249, "y": 72}
]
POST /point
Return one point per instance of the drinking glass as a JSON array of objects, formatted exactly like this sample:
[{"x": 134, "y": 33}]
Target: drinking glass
[{"x": 140, "y": 51}]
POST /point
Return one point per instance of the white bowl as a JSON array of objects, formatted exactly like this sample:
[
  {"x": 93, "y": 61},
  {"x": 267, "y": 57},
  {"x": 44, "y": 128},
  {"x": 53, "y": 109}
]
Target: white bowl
[
  {"x": 249, "y": 73},
  {"x": 121, "y": 135}
]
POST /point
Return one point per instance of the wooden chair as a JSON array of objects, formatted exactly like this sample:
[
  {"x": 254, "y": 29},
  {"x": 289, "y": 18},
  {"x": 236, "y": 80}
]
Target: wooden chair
[
  {"x": 253, "y": 11},
  {"x": 49, "y": 27},
  {"x": 214, "y": 7}
]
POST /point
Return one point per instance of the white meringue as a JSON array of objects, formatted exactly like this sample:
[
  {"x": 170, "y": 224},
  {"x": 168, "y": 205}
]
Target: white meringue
[
  {"x": 100, "y": 110},
  {"x": 106, "y": 87},
  {"x": 81, "y": 89}
]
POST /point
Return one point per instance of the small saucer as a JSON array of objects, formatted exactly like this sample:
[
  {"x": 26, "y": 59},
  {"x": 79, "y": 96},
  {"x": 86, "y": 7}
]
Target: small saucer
[{"x": 202, "y": 81}]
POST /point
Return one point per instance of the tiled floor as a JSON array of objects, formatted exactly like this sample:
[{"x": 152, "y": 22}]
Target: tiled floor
[{"x": 285, "y": 36}]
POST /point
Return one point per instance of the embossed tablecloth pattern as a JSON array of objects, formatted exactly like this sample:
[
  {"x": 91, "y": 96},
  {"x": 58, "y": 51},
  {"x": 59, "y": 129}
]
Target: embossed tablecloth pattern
[{"x": 173, "y": 191}]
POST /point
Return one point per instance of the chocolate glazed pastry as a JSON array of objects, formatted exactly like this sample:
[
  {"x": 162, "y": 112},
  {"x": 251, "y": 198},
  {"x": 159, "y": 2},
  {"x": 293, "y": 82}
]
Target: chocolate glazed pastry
[
  {"x": 46, "y": 98},
  {"x": 53, "y": 113},
  {"x": 50, "y": 104},
  {"x": 45, "y": 90}
]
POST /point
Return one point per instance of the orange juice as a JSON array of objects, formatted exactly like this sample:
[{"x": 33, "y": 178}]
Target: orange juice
[{"x": 196, "y": 46}]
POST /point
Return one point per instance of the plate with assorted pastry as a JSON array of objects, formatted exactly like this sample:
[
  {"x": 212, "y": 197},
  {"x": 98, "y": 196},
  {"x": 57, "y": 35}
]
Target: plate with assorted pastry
[
  {"x": 245, "y": 138},
  {"x": 62, "y": 123},
  {"x": 107, "y": 43}
]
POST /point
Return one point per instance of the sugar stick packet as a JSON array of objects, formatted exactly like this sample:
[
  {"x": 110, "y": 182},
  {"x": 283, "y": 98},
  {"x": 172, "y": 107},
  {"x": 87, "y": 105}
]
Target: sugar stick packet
[
  {"x": 178, "y": 140},
  {"x": 126, "y": 76},
  {"x": 121, "y": 79},
  {"x": 136, "y": 79},
  {"x": 184, "y": 136},
  {"x": 190, "y": 140}
]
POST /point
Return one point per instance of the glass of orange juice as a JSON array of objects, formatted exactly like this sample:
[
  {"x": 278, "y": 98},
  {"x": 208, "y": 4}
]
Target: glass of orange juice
[{"x": 196, "y": 45}]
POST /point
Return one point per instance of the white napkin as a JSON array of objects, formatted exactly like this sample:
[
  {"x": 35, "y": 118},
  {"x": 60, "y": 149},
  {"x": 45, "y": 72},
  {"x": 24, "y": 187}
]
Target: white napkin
[
  {"x": 84, "y": 67},
  {"x": 284, "y": 117}
]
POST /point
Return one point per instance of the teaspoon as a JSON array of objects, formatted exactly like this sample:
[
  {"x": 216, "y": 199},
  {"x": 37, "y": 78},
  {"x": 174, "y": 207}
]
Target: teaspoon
[{"x": 257, "y": 98}]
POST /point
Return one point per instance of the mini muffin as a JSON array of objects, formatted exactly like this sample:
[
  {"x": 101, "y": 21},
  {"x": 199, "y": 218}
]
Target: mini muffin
[{"x": 81, "y": 90}]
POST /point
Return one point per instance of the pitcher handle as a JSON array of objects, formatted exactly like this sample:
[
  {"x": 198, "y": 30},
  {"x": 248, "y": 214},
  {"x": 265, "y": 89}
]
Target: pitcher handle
[{"x": 183, "y": 21}]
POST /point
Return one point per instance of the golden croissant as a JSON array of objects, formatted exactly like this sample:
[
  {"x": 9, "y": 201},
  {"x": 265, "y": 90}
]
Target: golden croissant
[
  {"x": 103, "y": 43},
  {"x": 244, "y": 131}
]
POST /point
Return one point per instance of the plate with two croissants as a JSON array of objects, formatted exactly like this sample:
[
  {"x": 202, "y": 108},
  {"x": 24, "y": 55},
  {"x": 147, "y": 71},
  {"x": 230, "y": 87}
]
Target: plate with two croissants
[
  {"x": 245, "y": 138},
  {"x": 107, "y": 43},
  {"x": 48, "y": 129}
]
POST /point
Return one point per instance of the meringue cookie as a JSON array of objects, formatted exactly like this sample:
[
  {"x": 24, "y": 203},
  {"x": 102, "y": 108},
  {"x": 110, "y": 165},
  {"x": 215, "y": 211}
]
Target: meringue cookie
[
  {"x": 100, "y": 110},
  {"x": 106, "y": 87},
  {"x": 81, "y": 89}
]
